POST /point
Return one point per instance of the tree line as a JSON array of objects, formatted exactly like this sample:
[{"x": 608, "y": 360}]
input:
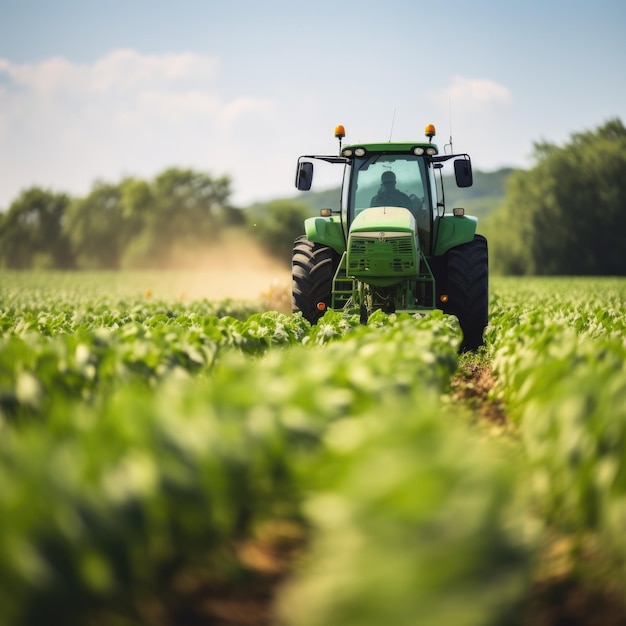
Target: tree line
[
  {"x": 133, "y": 224},
  {"x": 138, "y": 224},
  {"x": 565, "y": 215},
  {"x": 561, "y": 217}
]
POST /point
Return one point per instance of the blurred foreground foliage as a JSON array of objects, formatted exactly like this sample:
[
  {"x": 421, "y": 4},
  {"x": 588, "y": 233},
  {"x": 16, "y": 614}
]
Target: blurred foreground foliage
[{"x": 146, "y": 443}]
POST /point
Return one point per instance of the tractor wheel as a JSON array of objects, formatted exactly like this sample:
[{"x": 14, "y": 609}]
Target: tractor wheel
[
  {"x": 312, "y": 270},
  {"x": 468, "y": 290}
]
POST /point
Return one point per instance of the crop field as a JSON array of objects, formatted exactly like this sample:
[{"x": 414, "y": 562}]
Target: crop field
[{"x": 169, "y": 461}]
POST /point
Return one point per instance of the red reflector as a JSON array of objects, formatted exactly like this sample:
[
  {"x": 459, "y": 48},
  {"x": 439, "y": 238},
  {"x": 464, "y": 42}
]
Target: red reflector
[{"x": 321, "y": 306}]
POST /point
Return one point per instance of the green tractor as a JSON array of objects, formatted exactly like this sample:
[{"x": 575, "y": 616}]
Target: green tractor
[{"x": 392, "y": 246}]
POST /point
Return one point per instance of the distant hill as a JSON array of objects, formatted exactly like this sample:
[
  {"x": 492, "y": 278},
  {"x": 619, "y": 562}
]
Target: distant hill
[{"x": 481, "y": 199}]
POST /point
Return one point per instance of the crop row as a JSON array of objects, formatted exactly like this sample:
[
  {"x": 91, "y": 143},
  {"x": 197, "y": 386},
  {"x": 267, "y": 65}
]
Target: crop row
[
  {"x": 37, "y": 370},
  {"x": 561, "y": 366}
]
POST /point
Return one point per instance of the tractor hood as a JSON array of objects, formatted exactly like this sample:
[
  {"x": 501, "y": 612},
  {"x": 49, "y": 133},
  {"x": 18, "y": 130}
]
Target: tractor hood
[
  {"x": 382, "y": 246},
  {"x": 384, "y": 218}
]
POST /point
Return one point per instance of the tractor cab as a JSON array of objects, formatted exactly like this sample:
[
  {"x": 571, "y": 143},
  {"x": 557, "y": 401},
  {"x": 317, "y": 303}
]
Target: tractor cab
[
  {"x": 391, "y": 174},
  {"x": 392, "y": 179}
]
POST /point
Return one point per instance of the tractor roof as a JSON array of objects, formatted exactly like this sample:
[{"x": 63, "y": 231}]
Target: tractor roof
[{"x": 391, "y": 146}]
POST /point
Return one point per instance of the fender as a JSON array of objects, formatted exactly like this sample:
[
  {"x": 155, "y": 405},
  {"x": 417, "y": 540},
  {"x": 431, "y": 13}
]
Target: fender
[
  {"x": 453, "y": 231},
  {"x": 327, "y": 231}
]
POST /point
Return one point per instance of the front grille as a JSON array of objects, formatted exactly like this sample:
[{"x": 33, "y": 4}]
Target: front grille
[{"x": 382, "y": 256}]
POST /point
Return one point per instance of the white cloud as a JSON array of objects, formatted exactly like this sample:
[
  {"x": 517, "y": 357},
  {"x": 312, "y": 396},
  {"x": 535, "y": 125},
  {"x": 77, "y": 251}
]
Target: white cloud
[
  {"x": 176, "y": 107},
  {"x": 65, "y": 125},
  {"x": 125, "y": 73},
  {"x": 243, "y": 107},
  {"x": 474, "y": 93},
  {"x": 128, "y": 69},
  {"x": 44, "y": 79}
]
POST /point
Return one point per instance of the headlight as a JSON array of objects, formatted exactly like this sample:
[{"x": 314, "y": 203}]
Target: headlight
[
  {"x": 418, "y": 151},
  {"x": 360, "y": 152}
]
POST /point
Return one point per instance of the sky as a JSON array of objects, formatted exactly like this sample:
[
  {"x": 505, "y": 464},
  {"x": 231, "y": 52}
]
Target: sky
[{"x": 99, "y": 91}]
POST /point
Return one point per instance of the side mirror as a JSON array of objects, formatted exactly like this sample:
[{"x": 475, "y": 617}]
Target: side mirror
[
  {"x": 304, "y": 175},
  {"x": 463, "y": 172}
]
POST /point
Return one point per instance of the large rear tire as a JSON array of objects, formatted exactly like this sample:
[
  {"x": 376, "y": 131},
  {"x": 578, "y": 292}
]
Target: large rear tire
[
  {"x": 312, "y": 270},
  {"x": 468, "y": 290}
]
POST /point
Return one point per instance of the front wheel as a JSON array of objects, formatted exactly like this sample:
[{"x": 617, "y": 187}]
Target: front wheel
[
  {"x": 468, "y": 290},
  {"x": 312, "y": 270}
]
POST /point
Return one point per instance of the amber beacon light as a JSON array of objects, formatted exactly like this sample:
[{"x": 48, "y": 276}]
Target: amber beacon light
[{"x": 340, "y": 133}]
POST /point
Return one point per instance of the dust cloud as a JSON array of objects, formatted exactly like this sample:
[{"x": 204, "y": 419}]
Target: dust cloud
[{"x": 238, "y": 270}]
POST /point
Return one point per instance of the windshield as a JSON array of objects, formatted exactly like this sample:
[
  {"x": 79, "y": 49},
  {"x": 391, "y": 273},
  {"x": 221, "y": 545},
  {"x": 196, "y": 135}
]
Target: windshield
[
  {"x": 387, "y": 180},
  {"x": 391, "y": 180}
]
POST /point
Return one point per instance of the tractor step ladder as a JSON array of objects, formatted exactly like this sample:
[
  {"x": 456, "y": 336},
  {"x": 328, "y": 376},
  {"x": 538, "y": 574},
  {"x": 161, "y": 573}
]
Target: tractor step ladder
[
  {"x": 343, "y": 285},
  {"x": 427, "y": 279}
]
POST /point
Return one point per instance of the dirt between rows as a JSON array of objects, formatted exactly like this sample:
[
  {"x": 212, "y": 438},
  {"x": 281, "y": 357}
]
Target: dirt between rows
[{"x": 559, "y": 597}]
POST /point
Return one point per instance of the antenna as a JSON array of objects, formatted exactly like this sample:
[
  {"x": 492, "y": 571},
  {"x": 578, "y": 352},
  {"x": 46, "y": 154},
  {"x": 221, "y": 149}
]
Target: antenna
[
  {"x": 393, "y": 119},
  {"x": 450, "y": 142}
]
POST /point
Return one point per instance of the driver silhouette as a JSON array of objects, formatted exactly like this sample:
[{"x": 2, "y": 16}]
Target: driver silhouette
[{"x": 388, "y": 195}]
